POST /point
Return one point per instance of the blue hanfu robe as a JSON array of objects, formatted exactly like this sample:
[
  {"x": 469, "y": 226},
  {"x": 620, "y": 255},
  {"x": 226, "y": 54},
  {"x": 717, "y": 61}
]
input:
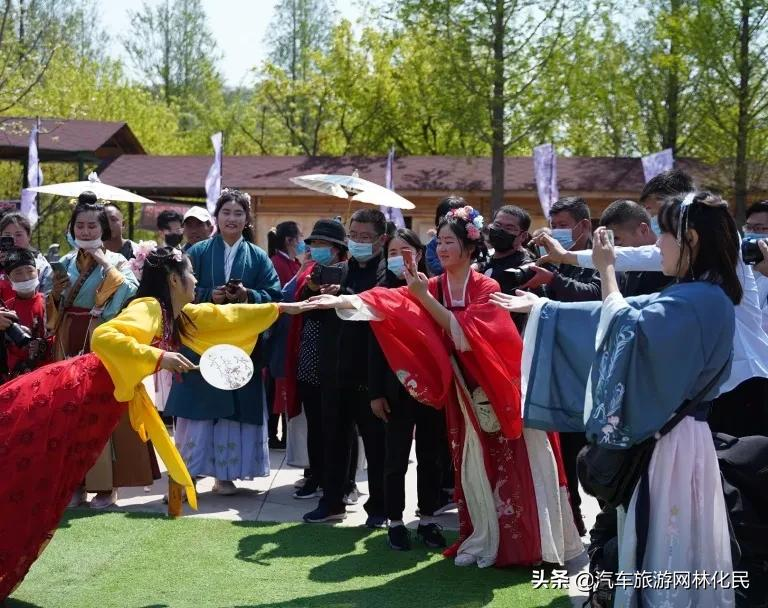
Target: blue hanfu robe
[
  {"x": 223, "y": 433},
  {"x": 618, "y": 370},
  {"x": 86, "y": 296},
  {"x": 192, "y": 397}
]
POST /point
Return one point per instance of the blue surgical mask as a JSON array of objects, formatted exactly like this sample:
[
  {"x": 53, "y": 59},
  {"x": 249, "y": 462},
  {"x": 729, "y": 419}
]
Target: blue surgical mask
[
  {"x": 396, "y": 265},
  {"x": 754, "y": 236},
  {"x": 362, "y": 252},
  {"x": 655, "y": 225},
  {"x": 564, "y": 236},
  {"x": 321, "y": 255},
  {"x": 301, "y": 248}
]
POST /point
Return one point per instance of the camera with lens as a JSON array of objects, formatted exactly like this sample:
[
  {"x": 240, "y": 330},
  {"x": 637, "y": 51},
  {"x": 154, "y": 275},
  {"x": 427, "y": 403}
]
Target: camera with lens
[
  {"x": 512, "y": 278},
  {"x": 750, "y": 251},
  {"x": 18, "y": 335}
]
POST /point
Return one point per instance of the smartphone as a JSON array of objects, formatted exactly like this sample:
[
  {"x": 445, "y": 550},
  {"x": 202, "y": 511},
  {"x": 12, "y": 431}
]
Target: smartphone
[
  {"x": 609, "y": 236},
  {"x": 326, "y": 275},
  {"x": 6, "y": 243},
  {"x": 232, "y": 285},
  {"x": 59, "y": 269},
  {"x": 408, "y": 258}
]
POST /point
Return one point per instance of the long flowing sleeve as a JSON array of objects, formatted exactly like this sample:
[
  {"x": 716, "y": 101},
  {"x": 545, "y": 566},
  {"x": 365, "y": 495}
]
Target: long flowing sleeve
[
  {"x": 118, "y": 287},
  {"x": 628, "y": 259},
  {"x": 650, "y": 359},
  {"x": 491, "y": 352},
  {"x": 236, "y": 324},
  {"x": 123, "y": 345}
]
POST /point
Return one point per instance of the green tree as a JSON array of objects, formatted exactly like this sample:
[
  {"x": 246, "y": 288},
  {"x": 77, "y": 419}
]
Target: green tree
[
  {"x": 495, "y": 50},
  {"x": 172, "y": 48},
  {"x": 733, "y": 53}
]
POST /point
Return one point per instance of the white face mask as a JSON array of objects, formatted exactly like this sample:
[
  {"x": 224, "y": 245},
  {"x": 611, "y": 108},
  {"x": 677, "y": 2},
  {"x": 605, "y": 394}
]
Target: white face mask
[
  {"x": 95, "y": 244},
  {"x": 25, "y": 287}
]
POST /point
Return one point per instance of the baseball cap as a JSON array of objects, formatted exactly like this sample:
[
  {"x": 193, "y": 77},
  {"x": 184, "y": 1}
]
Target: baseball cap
[{"x": 199, "y": 213}]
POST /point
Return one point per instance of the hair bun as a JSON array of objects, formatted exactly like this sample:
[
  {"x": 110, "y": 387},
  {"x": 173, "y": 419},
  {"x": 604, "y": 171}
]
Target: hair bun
[{"x": 87, "y": 198}]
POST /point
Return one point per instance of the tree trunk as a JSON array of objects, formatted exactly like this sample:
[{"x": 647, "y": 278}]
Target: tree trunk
[
  {"x": 669, "y": 137},
  {"x": 497, "y": 109},
  {"x": 740, "y": 178}
]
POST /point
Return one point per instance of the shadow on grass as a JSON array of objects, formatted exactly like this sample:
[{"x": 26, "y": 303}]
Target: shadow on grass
[{"x": 438, "y": 585}]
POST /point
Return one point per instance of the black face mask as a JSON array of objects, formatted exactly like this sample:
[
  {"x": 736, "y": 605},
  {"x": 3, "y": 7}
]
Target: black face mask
[
  {"x": 501, "y": 240},
  {"x": 173, "y": 239}
]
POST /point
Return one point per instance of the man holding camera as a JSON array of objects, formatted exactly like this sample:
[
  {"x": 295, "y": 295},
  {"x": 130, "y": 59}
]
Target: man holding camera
[
  {"x": 343, "y": 355},
  {"x": 23, "y": 346}
]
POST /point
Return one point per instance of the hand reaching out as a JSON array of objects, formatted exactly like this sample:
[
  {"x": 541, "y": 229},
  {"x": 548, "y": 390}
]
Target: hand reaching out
[{"x": 521, "y": 302}]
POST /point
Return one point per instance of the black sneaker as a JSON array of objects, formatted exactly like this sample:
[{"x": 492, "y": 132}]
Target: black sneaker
[
  {"x": 323, "y": 513},
  {"x": 431, "y": 535},
  {"x": 399, "y": 538},
  {"x": 308, "y": 490},
  {"x": 375, "y": 521}
]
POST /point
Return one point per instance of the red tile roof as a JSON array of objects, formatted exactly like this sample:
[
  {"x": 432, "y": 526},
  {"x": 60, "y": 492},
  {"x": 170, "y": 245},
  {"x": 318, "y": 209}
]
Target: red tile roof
[
  {"x": 185, "y": 175},
  {"x": 64, "y": 139}
]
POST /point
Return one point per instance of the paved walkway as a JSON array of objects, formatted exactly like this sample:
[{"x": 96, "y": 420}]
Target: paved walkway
[{"x": 270, "y": 499}]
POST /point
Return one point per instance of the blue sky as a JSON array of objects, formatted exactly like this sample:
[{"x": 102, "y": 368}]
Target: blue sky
[{"x": 239, "y": 27}]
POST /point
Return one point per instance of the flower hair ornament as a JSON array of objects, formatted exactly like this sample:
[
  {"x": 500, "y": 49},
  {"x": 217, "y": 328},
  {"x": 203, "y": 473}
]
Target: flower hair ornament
[
  {"x": 145, "y": 249},
  {"x": 473, "y": 219}
]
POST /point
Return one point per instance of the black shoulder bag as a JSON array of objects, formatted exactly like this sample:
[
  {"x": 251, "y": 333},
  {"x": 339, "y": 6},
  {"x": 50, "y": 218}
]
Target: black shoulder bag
[{"x": 610, "y": 475}]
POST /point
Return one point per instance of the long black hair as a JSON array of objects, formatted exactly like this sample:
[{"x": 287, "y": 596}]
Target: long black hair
[
  {"x": 276, "y": 238},
  {"x": 243, "y": 199},
  {"x": 718, "y": 246},
  {"x": 158, "y": 266},
  {"x": 410, "y": 237},
  {"x": 87, "y": 201},
  {"x": 457, "y": 225}
]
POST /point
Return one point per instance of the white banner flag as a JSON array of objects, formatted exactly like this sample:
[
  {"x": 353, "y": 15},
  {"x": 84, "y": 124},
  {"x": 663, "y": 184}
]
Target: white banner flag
[
  {"x": 213, "y": 179},
  {"x": 34, "y": 178},
  {"x": 393, "y": 214},
  {"x": 653, "y": 164},
  {"x": 545, "y": 170}
]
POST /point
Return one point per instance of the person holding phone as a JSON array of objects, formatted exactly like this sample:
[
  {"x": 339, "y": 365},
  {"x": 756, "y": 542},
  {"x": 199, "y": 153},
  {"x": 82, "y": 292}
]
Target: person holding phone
[
  {"x": 344, "y": 380},
  {"x": 299, "y": 392},
  {"x": 223, "y": 434},
  {"x": 91, "y": 286},
  {"x": 402, "y": 413},
  {"x": 16, "y": 230}
]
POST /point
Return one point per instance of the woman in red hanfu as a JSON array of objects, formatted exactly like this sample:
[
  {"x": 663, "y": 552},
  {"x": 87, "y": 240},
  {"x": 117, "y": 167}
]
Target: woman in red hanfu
[
  {"x": 55, "y": 421},
  {"x": 450, "y": 348}
]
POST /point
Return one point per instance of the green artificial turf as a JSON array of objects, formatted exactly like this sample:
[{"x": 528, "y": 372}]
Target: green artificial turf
[{"x": 121, "y": 560}]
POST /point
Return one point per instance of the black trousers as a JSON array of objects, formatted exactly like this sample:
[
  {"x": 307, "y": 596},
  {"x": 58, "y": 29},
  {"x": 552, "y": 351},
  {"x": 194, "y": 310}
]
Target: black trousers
[
  {"x": 342, "y": 408},
  {"x": 312, "y": 403},
  {"x": 407, "y": 413},
  {"x": 743, "y": 411},
  {"x": 570, "y": 446}
]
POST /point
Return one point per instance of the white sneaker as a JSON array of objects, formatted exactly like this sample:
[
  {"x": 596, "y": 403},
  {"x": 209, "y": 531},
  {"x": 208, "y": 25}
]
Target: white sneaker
[
  {"x": 465, "y": 559},
  {"x": 224, "y": 487},
  {"x": 352, "y": 497},
  {"x": 103, "y": 500}
]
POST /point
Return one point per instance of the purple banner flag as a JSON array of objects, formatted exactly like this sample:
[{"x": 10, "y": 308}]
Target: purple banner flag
[
  {"x": 392, "y": 214},
  {"x": 34, "y": 178},
  {"x": 545, "y": 170},
  {"x": 653, "y": 164}
]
